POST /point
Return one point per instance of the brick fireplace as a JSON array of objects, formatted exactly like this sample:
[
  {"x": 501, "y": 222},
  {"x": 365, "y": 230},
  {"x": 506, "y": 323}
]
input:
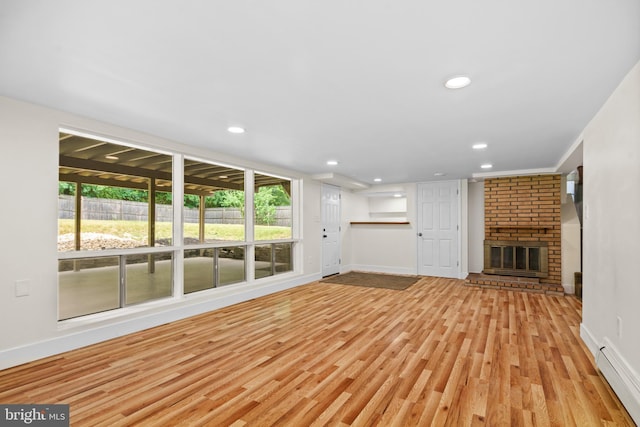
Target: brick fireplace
[{"x": 522, "y": 234}]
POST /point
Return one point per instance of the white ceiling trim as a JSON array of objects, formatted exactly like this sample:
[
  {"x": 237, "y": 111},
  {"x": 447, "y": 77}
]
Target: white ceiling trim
[{"x": 523, "y": 172}]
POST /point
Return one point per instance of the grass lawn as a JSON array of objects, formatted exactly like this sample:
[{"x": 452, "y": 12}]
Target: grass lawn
[{"x": 137, "y": 230}]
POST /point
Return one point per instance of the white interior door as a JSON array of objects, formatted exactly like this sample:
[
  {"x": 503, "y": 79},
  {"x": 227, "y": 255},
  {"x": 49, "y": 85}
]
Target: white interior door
[
  {"x": 438, "y": 229},
  {"x": 330, "y": 230}
]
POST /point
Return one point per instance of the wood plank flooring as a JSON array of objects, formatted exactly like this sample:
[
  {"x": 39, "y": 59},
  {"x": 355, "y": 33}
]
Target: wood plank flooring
[{"x": 439, "y": 353}]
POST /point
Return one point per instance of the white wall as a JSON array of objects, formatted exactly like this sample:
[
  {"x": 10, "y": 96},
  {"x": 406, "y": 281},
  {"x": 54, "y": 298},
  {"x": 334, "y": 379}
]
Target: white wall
[
  {"x": 388, "y": 208},
  {"x": 392, "y": 248},
  {"x": 311, "y": 228},
  {"x": 354, "y": 207},
  {"x": 29, "y": 170},
  {"x": 381, "y": 248},
  {"x": 611, "y": 290},
  {"x": 476, "y": 227},
  {"x": 570, "y": 245}
]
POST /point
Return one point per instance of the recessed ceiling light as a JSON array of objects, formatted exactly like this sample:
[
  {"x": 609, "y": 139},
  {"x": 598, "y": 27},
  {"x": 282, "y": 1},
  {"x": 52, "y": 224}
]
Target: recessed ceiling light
[
  {"x": 235, "y": 129},
  {"x": 479, "y": 146},
  {"x": 486, "y": 166},
  {"x": 332, "y": 162},
  {"x": 397, "y": 195},
  {"x": 457, "y": 82},
  {"x": 377, "y": 179},
  {"x": 111, "y": 157},
  {"x": 439, "y": 174}
]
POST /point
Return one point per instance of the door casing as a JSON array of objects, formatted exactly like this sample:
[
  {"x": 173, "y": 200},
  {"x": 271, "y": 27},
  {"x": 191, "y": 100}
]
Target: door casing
[{"x": 438, "y": 229}]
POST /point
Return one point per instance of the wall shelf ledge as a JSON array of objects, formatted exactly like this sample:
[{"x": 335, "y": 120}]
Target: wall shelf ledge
[{"x": 379, "y": 222}]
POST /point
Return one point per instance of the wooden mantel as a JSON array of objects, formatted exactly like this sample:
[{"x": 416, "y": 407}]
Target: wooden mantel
[{"x": 530, "y": 227}]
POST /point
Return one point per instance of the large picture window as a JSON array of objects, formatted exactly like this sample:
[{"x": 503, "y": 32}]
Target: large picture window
[
  {"x": 88, "y": 285},
  {"x": 273, "y": 258},
  {"x": 112, "y": 196},
  {"x": 118, "y": 198},
  {"x": 117, "y": 242},
  {"x": 213, "y": 267},
  {"x": 272, "y": 207},
  {"x": 102, "y": 283},
  {"x": 213, "y": 203}
]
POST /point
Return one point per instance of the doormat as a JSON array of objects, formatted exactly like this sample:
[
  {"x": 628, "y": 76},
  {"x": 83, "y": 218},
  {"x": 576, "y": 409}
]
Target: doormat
[{"x": 372, "y": 280}]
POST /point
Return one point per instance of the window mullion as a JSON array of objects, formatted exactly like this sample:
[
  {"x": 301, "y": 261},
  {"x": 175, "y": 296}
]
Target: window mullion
[
  {"x": 177, "y": 200},
  {"x": 273, "y": 259},
  {"x": 123, "y": 280},
  {"x": 249, "y": 224}
]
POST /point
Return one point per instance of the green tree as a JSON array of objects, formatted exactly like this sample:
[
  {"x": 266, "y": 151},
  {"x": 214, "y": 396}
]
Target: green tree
[
  {"x": 191, "y": 201},
  {"x": 267, "y": 198},
  {"x": 163, "y": 198},
  {"x": 226, "y": 199},
  {"x": 66, "y": 188},
  {"x": 109, "y": 192},
  {"x": 104, "y": 192}
]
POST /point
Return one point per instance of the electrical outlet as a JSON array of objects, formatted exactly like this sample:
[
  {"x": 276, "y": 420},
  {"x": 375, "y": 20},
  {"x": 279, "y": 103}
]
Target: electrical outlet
[{"x": 22, "y": 288}]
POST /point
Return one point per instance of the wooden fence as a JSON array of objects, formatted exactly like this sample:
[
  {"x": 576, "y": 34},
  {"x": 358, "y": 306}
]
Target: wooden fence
[{"x": 125, "y": 210}]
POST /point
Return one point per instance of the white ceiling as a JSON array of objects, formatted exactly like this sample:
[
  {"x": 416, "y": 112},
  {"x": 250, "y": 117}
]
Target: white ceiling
[{"x": 356, "y": 81}]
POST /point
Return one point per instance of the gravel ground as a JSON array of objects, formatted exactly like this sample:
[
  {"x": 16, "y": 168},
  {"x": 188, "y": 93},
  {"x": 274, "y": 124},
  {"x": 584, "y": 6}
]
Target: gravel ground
[{"x": 97, "y": 241}]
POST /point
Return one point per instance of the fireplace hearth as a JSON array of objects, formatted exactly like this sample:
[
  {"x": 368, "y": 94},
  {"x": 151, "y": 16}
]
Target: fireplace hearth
[
  {"x": 522, "y": 234},
  {"x": 516, "y": 258}
]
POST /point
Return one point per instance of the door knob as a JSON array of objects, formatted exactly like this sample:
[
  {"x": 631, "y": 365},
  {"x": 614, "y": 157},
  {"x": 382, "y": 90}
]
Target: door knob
[{"x": 419, "y": 234}]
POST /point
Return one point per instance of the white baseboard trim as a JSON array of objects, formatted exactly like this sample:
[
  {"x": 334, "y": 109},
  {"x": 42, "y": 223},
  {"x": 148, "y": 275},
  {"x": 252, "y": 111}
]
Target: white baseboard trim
[
  {"x": 589, "y": 340},
  {"x": 380, "y": 269},
  {"x": 624, "y": 381},
  {"x": 622, "y": 378},
  {"x": 82, "y": 334},
  {"x": 569, "y": 288}
]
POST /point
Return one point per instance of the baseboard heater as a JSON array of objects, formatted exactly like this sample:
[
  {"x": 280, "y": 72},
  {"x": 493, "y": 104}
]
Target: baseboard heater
[{"x": 622, "y": 382}]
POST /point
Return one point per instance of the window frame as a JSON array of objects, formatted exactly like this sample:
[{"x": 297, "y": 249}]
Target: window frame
[{"x": 178, "y": 246}]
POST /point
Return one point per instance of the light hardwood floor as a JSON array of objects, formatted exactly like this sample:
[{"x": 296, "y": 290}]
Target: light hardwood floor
[{"x": 439, "y": 353}]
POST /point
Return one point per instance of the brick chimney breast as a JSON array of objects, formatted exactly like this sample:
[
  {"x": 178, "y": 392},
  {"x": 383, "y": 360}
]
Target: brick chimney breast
[{"x": 526, "y": 209}]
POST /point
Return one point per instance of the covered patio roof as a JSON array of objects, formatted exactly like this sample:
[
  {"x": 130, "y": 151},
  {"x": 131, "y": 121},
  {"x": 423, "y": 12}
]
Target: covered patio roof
[{"x": 91, "y": 161}]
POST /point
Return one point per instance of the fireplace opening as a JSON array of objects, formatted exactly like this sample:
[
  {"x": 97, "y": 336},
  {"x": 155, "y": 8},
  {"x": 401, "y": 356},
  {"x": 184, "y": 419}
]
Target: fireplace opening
[{"x": 528, "y": 259}]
